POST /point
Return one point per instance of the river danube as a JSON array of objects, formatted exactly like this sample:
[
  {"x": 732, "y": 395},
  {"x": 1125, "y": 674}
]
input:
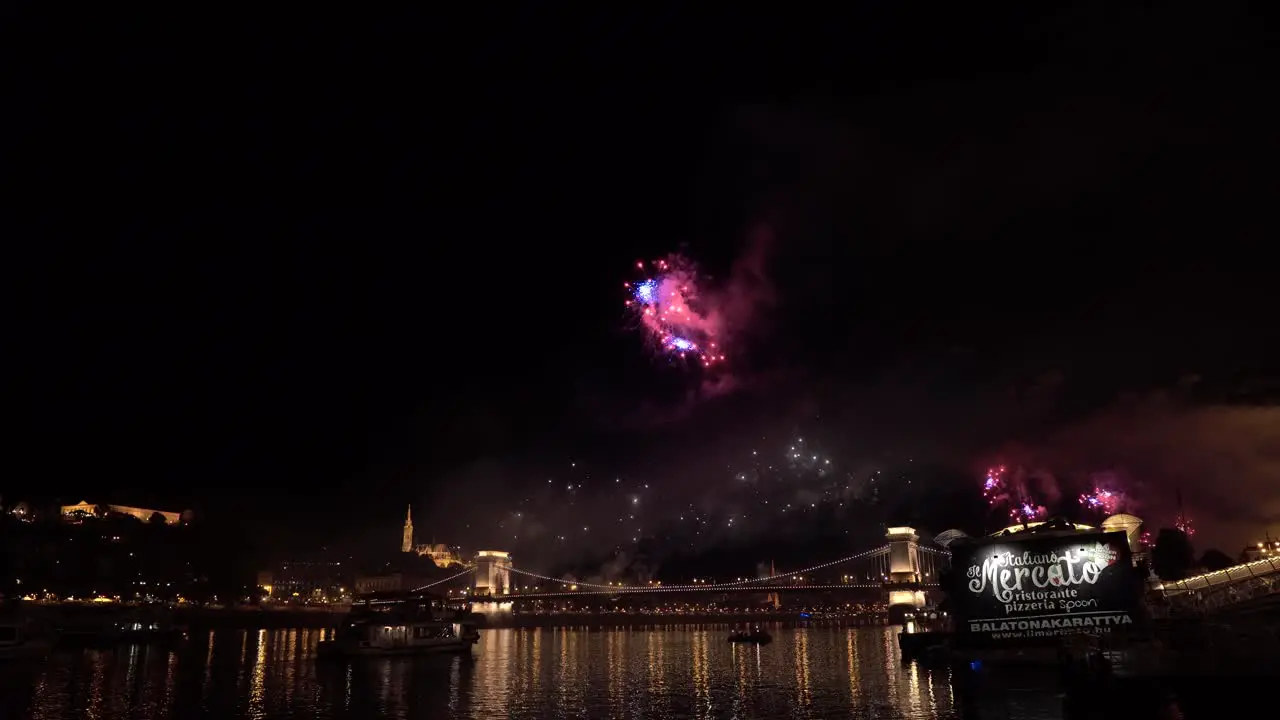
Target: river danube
[{"x": 690, "y": 672}]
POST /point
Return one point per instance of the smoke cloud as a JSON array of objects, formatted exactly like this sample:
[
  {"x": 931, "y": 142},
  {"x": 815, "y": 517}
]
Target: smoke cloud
[{"x": 1224, "y": 461}]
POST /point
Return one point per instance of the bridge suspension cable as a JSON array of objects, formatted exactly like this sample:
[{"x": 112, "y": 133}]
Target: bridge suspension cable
[
  {"x": 931, "y": 558},
  {"x": 883, "y": 549},
  {"x": 445, "y": 580}
]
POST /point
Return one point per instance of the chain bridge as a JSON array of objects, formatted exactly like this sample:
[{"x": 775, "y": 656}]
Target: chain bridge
[{"x": 902, "y": 568}]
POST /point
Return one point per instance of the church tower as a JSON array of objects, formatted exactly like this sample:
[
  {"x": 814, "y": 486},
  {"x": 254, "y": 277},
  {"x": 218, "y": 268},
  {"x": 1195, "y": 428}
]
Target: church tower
[{"x": 406, "y": 543}]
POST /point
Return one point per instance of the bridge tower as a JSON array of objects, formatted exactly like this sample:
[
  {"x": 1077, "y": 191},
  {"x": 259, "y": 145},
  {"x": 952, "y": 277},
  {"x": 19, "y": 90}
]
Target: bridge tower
[
  {"x": 774, "y": 599},
  {"x": 903, "y": 583},
  {"x": 493, "y": 574}
]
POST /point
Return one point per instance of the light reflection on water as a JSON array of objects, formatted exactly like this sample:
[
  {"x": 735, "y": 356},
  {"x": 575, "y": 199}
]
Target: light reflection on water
[{"x": 548, "y": 673}]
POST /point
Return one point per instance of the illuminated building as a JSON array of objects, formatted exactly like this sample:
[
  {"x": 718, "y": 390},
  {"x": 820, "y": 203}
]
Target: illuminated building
[
  {"x": 493, "y": 572},
  {"x": 1265, "y": 550},
  {"x": 442, "y": 555},
  {"x": 144, "y": 514},
  {"x": 304, "y": 580},
  {"x": 266, "y": 582},
  {"x": 1131, "y": 527},
  {"x": 406, "y": 541},
  {"x": 393, "y": 582},
  {"x": 1054, "y": 525}
]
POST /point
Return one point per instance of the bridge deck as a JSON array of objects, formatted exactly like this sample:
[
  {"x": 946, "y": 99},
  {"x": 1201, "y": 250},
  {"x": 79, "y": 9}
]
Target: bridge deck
[
  {"x": 1228, "y": 576},
  {"x": 685, "y": 589}
]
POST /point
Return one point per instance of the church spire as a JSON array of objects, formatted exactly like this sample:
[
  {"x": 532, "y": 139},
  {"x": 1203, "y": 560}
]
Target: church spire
[{"x": 406, "y": 542}]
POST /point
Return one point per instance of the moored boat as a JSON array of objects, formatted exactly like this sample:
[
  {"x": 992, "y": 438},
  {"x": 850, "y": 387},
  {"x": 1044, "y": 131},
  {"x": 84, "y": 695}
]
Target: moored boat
[
  {"x": 142, "y": 632},
  {"x": 146, "y": 626},
  {"x": 755, "y": 636},
  {"x": 408, "y": 625}
]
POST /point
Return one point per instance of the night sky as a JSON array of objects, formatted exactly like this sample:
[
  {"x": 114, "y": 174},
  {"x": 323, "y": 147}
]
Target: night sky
[{"x": 304, "y": 276}]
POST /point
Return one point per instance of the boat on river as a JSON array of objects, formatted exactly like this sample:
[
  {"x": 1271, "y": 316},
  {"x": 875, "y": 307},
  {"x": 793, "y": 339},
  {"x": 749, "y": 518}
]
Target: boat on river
[
  {"x": 108, "y": 628},
  {"x": 20, "y": 641},
  {"x": 411, "y": 625},
  {"x": 755, "y": 636}
]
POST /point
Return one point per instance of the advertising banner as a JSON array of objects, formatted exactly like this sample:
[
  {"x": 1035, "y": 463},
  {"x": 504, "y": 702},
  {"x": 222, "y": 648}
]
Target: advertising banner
[{"x": 1026, "y": 588}]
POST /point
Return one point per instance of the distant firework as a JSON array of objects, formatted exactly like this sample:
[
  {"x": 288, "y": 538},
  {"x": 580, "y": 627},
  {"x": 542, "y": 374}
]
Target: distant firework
[
  {"x": 1105, "y": 502},
  {"x": 993, "y": 486},
  {"x": 1184, "y": 524},
  {"x": 672, "y": 313},
  {"x": 998, "y": 491},
  {"x": 1026, "y": 512}
]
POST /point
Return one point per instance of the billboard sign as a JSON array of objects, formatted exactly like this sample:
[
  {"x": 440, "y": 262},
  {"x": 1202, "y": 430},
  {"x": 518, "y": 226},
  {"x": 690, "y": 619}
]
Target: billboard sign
[{"x": 1032, "y": 587}]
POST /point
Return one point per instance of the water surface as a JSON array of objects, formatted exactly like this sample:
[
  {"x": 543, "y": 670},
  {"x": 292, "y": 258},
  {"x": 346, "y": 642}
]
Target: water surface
[{"x": 690, "y": 672}]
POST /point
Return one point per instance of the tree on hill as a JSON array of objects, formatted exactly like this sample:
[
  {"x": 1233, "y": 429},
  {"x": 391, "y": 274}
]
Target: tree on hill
[
  {"x": 156, "y": 519},
  {"x": 1214, "y": 559}
]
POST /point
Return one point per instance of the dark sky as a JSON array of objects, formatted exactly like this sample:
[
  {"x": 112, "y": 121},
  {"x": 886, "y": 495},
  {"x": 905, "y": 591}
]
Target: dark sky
[{"x": 306, "y": 275}]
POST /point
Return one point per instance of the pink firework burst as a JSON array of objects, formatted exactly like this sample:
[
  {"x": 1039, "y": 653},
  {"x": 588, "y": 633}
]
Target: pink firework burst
[
  {"x": 669, "y": 307},
  {"x": 999, "y": 489},
  {"x": 1102, "y": 501},
  {"x": 1184, "y": 524},
  {"x": 1026, "y": 512},
  {"x": 993, "y": 486}
]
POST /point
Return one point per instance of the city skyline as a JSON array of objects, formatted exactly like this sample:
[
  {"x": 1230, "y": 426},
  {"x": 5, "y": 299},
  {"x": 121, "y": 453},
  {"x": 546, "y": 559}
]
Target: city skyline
[
  {"x": 640, "y": 361},
  {"x": 301, "y": 314}
]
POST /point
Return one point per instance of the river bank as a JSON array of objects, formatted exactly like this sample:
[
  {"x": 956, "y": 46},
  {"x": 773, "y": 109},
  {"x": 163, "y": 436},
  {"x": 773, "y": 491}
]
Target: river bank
[
  {"x": 592, "y": 620},
  {"x": 267, "y": 617},
  {"x": 79, "y": 615}
]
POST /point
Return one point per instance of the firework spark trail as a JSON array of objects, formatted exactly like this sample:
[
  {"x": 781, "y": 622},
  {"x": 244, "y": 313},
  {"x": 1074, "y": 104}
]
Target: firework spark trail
[
  {"x": 670, "y": 309},
  {"x": 1184, "y": 524},
  {"x": 1104, "y": 502},
  {"x": 993, "y": 486},
  {"x": 999, "y": 490},
  {"x": 1026, "y": 512}
]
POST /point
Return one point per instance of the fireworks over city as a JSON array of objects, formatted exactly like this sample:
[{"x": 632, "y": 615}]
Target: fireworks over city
[
  {"x": 777, "y": 491},
  {"x": 993, "y": 487},
  {"x": 681, "y": 321},
  {"x": 1106, "y": 495},
  {"x": 1001, "y": 490},
  {"x": 784, "y": 488}
]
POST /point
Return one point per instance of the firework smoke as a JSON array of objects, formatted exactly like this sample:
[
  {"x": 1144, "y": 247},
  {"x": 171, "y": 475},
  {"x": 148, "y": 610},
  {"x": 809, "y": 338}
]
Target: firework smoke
[
  {"x": 679, "y": 319},
  {"x": 688, "y": 317},
  {"x": 1106, "y": 496}
]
